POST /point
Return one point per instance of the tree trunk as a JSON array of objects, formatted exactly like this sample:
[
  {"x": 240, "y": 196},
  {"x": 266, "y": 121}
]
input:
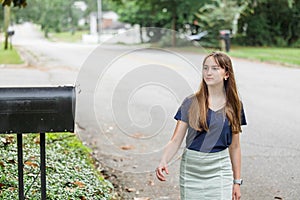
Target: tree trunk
[
  {"x": 6, "y": 24},
  {"x": 46, "y": 31},
  {"x": 141, "y": 34}
]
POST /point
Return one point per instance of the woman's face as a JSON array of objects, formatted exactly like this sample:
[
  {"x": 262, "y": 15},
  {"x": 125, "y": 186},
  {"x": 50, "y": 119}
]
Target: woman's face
[{"x": 212, "y": 73}]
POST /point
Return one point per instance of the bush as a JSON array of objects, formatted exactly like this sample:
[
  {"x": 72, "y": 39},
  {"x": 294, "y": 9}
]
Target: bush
[
  {"x": 70, "y": 173},
  {"x": 296, "y": 44}
]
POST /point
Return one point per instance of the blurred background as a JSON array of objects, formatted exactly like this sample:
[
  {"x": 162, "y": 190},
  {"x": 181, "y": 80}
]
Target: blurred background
[{"x": 248, "y": 22}]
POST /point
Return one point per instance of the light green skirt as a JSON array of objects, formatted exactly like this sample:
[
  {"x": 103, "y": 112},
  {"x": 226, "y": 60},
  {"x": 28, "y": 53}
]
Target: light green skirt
[{"x": 205, "y": 176}]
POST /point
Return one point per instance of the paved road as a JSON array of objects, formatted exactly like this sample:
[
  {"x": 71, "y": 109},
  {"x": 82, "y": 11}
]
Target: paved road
[{"x": 125, "y": 138}]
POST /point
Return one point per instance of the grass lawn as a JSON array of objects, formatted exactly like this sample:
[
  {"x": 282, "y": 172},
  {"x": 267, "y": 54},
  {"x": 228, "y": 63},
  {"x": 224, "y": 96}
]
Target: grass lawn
[
  {"x": 67, "y": 36},
  {"x": 70, "y": 170},
  {"x": 9, "y": 56},
  {"x": 285, "y": 56}
]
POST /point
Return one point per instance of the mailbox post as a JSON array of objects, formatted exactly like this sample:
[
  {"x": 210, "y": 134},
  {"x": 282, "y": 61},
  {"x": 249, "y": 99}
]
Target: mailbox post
[
  {"x": 10, "y": 33},
  {"x": 225, "y": 40},
  {"x": 36, "y": 110}
]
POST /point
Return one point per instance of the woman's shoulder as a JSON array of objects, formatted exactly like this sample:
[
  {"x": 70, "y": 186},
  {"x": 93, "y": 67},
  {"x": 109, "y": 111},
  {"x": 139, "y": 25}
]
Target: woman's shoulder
[{"x": 189, "y": 99}]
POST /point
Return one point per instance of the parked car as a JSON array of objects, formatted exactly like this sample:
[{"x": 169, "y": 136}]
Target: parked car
[{"x": 197, "y": 37}]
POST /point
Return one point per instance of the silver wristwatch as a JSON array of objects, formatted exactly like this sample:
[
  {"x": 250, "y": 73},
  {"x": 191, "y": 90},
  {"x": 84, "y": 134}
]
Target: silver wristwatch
[{"x": 238, "y": 181}]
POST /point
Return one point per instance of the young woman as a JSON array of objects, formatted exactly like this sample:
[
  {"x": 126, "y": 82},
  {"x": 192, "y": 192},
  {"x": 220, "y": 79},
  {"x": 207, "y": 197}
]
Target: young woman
[{"x": 210, "y": 166}]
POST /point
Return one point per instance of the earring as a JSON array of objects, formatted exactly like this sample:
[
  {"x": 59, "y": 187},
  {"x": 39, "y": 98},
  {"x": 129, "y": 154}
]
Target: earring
[{"x": 225, "y": 79}]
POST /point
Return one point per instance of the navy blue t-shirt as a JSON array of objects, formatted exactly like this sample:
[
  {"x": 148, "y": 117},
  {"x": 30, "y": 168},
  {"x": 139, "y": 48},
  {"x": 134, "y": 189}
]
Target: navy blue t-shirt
[{"x": 219, "y": 135}]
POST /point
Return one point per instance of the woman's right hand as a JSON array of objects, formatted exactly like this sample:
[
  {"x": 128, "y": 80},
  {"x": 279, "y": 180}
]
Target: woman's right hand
[
  {"x": 171, "y": 149},
  {"x": 160, "y": 172}
]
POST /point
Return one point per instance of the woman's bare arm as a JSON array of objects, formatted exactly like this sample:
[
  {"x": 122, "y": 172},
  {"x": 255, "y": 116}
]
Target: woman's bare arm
[
  {"x": 171, "y": 149},
  {"x": 235, "y": 156}
]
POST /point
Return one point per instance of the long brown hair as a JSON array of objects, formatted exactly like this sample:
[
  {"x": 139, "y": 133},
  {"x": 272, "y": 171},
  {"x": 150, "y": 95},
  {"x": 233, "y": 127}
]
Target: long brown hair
[{"x": 199, "y": 106}]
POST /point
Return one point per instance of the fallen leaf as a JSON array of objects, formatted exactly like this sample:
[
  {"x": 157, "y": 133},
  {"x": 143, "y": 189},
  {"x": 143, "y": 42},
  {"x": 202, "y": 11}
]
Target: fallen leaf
[
  {"x": 130, "y": 189},
  {"x": 138, "y": 135},
  {"x": 127, "y": 147},
  {"x": 30, "y": 164},
  {"x": 1, "y": 185},
  {"x": 79, "y": 184},
  {"x": 2, "y": 164},
  {"x": 151, "y": 182},
  {"x": 141, "y": 198},
  {"x": 36, "y": 140},
  {"x": 82, "y": 198},
  {"x": 7, "y": 140},
  {"x": 12, "y": 188},
  {"x": 77, "y": 168},
  {"x": 11, "y": 161},
  {"x": 135, "y": 166}
]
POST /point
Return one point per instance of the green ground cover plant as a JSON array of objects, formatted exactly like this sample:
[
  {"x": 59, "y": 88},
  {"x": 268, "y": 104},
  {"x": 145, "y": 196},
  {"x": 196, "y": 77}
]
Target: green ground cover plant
[
  {"x": 9, "y": 56},
  {"x": 69, "y": 167}
]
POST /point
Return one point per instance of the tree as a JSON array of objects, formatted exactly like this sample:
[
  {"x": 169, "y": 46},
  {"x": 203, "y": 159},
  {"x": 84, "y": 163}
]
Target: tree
[
  {"x": 271, "y": 22},
  {"x": 172, "y": 14},
  {"x": 7, "y": 4},
  {"x": 219, "y": 15},
  {"x": 55, "y": 15},
  {"x": 16, "y": 3}
]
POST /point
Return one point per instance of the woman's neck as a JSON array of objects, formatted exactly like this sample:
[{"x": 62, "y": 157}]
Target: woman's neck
[
  {"x": 217, "y": 97},
  {"x": 216, "y": 91}
]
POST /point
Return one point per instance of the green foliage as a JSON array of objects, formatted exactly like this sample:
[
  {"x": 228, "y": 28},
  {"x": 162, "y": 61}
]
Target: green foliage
[
  {"x": 260, "y": 22},
  {"x": 9, "y": 56},
  {"x": 92, "y": 5},
  {"x": 166, "y": 40},
  {"x": 172, "y": 14},
  {"x": 271, "y": 23},
  {"x": 70, "y": 173},
  {"x": 296, "y": 44},
  {"x": 54, "y": 15},
  {"x": 219, "y": 15},
  {"x": 16, "y": 3}
]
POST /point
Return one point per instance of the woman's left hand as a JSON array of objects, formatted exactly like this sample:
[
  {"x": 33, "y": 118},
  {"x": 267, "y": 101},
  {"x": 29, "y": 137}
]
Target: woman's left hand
[{"x": 236, "y": 192}]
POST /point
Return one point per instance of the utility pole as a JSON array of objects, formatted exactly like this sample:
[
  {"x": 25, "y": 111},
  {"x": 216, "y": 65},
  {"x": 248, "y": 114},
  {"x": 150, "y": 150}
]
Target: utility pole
[{"x": 99, "y": 17}]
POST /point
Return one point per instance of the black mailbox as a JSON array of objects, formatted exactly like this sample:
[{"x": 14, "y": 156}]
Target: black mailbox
[
  {"x": 10, "y": 33},
  {"x": 37, "y": 109}
]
